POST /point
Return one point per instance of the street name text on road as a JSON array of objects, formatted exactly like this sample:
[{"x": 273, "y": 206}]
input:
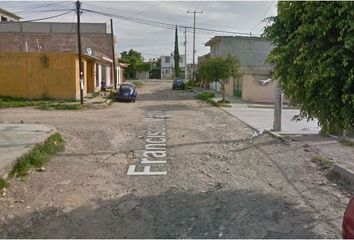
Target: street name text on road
[{"x": 155, "y": 146}]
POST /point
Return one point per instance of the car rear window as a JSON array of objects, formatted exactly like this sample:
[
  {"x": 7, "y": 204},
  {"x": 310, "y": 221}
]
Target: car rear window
[{"x": 125, "y": 89}]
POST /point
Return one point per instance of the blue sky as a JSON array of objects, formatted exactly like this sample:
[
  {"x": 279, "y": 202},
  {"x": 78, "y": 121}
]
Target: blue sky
[{"x": 235, "y": 16}]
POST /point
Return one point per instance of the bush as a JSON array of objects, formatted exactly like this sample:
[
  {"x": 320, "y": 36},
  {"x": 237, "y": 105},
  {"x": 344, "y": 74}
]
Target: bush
[{"x": 205, "y": 95}]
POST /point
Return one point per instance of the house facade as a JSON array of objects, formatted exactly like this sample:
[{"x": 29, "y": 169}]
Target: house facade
[
  {"x": 168, "y": 64},
  {"x": 39, "y": 75},
  {"x": 6, "y": 16},
  {"x": 54, "y": 38},
  {"x": 256, "y": 83}
]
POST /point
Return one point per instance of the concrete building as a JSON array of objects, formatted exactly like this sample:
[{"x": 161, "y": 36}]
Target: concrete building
[
  {"x": 47, "y": 37},
  {"x": 168, "y": 64},
  {"x": 6, "y": 16},
  {"x": 255, "y": 83},
  {"x": 39, "y": 75}
]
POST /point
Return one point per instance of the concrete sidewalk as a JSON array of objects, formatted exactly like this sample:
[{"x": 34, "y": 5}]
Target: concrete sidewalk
[
  {"x": 262, "y": 119},
  {"x": 17, "y": 140}
]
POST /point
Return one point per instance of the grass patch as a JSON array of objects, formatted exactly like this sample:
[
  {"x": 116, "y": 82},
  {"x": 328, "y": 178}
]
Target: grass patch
[
  {"x": 324, "y": 163},
  {"x": 10, "y": 102},
  {"x": 39, "y": 155},
  {"x": 205, "y": 95},
  {"x": 59, "y": 106},
  {"x": 138, "y": 84},
  {"x": 347, "y": 142},
  {"x": 208, "y": 97},
  {"x": 3, "y": 183},
  {"x": 224, "y": 101}
]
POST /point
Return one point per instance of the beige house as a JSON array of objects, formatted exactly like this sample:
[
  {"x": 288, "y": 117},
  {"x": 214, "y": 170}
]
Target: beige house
[{"x": 256, "y": 83}]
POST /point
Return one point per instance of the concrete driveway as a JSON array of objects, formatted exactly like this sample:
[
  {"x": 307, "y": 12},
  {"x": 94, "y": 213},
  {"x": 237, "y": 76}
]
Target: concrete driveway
[{"x": 262, "y": 119}]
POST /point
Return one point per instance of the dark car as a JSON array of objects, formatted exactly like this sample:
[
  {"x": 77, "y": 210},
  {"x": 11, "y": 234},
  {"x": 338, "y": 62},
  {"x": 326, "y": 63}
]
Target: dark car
[
  {"x": 348, "y": 221},
  {"x": 126, "y": 92},
  {"x": 178, "y": 84}
]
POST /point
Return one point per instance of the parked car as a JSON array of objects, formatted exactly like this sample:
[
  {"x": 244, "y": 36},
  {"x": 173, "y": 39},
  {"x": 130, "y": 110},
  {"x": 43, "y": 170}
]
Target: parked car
[
  {"x": 178, "y": 84},
  {"x": 348, "y": 221},
  {"x": 126, "y": 92}
]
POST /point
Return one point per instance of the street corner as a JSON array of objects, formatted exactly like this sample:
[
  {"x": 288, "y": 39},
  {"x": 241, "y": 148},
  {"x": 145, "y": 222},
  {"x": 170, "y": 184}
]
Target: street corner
[{"x": 17, "y": 140}]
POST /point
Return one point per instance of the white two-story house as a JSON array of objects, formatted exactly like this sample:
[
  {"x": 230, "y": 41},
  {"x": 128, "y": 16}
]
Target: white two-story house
[{"x": 168, "y": 64}]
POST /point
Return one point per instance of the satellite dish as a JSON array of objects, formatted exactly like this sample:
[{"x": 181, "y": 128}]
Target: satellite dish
[{"x": 89, "y": 51}]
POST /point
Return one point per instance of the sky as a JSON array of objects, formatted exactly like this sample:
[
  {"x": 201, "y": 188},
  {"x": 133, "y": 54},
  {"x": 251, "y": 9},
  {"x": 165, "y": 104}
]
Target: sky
[{"x": 238, "y": 17}]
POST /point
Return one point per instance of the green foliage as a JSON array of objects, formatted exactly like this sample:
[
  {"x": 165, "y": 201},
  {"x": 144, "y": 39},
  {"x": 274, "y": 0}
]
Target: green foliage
[
  {"x": 176, "y": 56},
  {"x": 219, "y": 69},
  {"x": 314, "y": 61},
  {"x": 39, "y": 155},
  {"x": 188, "y": 85},
  {"x": 324, "y": 163},
  {"x": 132, "y": 58},
  {"x": 208, "y": 97},
  {"x": 143, "y": 67},
  {"x": 9, "y": 102},
  {"x": 205, "y": 95},
  {"x": 3, "y": 183},
  {"x": 59, "y": 106}
]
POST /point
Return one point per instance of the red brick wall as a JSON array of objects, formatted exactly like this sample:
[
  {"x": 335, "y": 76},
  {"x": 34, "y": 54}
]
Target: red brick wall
[{"x": 100, "y": 43}]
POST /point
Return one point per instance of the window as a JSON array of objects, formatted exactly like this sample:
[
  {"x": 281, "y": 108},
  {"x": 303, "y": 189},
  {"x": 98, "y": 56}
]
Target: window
[
  {"x": 180, "y": 60},
  {"x": 167, "y": 59}
]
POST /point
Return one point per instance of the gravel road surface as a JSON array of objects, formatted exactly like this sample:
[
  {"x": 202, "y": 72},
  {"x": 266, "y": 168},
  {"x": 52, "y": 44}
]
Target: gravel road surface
[{"x": 206, "y": 175}]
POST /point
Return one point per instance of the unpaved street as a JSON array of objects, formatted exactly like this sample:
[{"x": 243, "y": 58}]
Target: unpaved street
[{"x": 217, "y": 179}]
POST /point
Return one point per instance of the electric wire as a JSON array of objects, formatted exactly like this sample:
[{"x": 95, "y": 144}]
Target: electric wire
[
  {"x": 41, "y": 6},
  {"x": 169, "y": 26},
  {"x": 46, "y": 18}
]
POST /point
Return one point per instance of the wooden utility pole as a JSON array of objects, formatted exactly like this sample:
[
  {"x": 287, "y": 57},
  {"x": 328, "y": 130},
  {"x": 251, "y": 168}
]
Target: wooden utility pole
[
  {"x": 194, "y": 51},
  {"x": 81, "y": 73},
  {"x": 185, "y": 54},
  {"x": 114, "y": 58}
]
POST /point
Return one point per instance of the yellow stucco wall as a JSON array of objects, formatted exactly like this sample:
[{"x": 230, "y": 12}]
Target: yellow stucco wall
[{"x": 38, "y": 75}]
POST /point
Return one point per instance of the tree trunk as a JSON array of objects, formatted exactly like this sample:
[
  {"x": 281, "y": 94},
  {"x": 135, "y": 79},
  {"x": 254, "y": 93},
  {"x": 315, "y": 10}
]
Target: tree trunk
[{"x": 222, "y": 90}]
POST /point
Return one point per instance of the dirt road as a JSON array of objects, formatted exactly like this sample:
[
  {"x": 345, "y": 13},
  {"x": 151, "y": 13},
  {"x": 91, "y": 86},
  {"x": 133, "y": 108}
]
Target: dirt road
[{"x": 213, "y": 179}]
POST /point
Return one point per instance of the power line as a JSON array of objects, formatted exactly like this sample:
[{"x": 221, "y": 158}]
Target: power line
[
  {"x": 140, "y": 12},
  {"x": 165, "y": 25},
  {"x": 46, "y": 18},
  {"x": 41, "y": 6}
]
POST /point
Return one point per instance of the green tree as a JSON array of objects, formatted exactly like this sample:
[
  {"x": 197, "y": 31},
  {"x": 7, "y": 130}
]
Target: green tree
[
  {"x": 313, "y": 59},
  {"x": 219, "y": 69},
  {"x": 133, "y": 59},
  {"x": 176, "y": 56}
]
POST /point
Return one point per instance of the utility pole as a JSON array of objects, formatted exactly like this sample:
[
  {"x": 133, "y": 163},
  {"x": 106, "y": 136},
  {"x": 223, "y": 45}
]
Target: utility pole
[
  {"x": 78, "y": 11},
  {"x": 185, "y": 54},
  {"x": 193, "y": 64},
  {"x": 278, "y": 102},
  {"x": 114, "y": 58}
]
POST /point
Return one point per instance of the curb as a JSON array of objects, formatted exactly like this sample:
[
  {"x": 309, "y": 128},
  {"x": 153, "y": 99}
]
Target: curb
[
  {"x": 347, "y": 174},
  {"x": 4, "y": 172},
  {"x": 254, "y": 128}
]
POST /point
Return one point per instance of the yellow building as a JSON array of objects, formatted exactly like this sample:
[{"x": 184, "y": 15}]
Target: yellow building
[{"x": 39, "y": 75}]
